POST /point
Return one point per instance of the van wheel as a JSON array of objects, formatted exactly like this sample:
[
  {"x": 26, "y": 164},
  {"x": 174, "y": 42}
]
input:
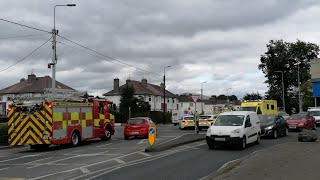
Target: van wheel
[
  {"x": 286, "y": 132},
  {"x": 211, "y": 146},
  {"x": 107, "y": 134},
  {"x": 243, "y": 143},
  {"x": 258, "y": 139},
  {"x": 75, "y": 139}
]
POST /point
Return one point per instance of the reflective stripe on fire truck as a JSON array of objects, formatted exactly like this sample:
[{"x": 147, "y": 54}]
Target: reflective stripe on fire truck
[{"x": 30, "y": 128}]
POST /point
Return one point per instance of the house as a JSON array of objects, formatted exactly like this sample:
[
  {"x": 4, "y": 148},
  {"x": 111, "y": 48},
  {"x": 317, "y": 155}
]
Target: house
[
  {"x": 32, "y": 87},
  {"x": 153, "y": 94},
  {"x": 186, "y": 104}
]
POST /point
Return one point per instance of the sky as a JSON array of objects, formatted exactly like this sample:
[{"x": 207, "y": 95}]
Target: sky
[{"x": 216, "y": 41}]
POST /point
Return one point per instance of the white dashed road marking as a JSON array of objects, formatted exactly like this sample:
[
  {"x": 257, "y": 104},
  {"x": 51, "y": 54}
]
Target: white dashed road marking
[
  {"x": 119, "y": 161},
  {"x": 84, "y": 170},
  {"x": 105, "y": 145}
]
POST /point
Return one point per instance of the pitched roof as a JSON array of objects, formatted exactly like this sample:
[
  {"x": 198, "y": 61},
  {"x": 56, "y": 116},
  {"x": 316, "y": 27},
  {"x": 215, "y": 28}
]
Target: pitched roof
[
  {"x": 37, "y": 85},
  {"x": 185, "y": 98},
  {"x": 141, "y": 88}
]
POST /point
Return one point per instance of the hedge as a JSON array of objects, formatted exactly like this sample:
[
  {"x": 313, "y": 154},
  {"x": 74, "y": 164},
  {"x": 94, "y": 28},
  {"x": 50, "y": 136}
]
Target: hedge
[
  {"x": 3, "y": 119},
  {"x": 3, "y": 132}
]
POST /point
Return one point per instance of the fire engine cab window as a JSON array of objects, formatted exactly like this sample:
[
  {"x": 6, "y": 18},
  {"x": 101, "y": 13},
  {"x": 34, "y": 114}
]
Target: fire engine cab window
[
  {"x": 70, "y": 109},
  {"x": 135, "y": 121},
  {"x": 59, "y": 109},
  {"x": 86, "y": 109}
]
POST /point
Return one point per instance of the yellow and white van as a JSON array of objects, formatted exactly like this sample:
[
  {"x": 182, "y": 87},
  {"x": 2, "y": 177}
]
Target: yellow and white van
[{"x": 260, "y": 106}]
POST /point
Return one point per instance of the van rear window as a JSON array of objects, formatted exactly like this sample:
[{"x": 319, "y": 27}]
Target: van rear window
[{"x": 135, "y": 121}]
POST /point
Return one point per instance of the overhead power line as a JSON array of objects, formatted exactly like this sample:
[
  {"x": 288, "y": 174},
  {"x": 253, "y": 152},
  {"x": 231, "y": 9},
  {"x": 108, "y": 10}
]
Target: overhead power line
[
  {"x": 30, "y": 35},
  {"x": 109, "y": 57},
  {"x": 26, "y": 56},
  {"x": 1, "y": 19}
]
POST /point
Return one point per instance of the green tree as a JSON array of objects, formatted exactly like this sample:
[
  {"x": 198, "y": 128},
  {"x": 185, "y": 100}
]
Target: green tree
[
  {"x": 284, "y": 56},
  {"x": 306, "y": 95},
  {"x": 142, "y": 105},
  {"x": 252, "y": 96},
  {"x": 128, "y": 100},
  {"x": 233, "y": 98},
  {"x": 222, "y": 97}
]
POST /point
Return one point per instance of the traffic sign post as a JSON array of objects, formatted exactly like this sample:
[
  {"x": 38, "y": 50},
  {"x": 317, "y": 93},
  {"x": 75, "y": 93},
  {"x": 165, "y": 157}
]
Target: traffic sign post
[
  {"x": 195, "y": 99},
  {"x": 152, "y": 135}
]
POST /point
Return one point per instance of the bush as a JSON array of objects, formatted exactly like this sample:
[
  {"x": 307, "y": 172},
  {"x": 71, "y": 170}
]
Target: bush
[
  {"x": 3, "y": 119},
  {"x": 3, "y": 132}
]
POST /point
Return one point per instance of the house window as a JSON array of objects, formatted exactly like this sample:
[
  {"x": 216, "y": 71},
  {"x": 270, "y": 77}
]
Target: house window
[
  {"x": 267, "y": 106},
  {"x": 168, "y": 100},
  {"x": 149, "y": 98},
  {"x": 172, "y": 100},
  {"x": 191, "y": 104},
  {"x": 272, "y": 107}
]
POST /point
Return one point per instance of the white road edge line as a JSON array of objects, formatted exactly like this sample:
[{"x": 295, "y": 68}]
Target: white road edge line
[
  {"x": 37, "y": 160},
  {"x": 142, "y": 141},
  {"x": 145, "y": 154},
  {"x": 52, "y": 162},
  {"x": 119, "y": 161},
  {"x": 4, "y": 168},
  {"x": 104, "y": 145},
  {"x": 173, "y": 139},
  {"x": 84, "y": 170},
  {"x": 18, "y": 158}
]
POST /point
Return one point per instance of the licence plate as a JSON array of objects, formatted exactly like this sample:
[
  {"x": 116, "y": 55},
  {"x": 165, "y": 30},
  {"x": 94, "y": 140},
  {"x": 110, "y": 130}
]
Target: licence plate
[
  {"x": 293, "y": 127},
  {"x": 134, "y": 132},
  {"x": 220, "y": 139}
]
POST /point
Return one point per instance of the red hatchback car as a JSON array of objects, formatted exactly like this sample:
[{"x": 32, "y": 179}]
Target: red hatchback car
[
  {"x": 301, "y": 121},
  {"x": 138, "y": 126}
]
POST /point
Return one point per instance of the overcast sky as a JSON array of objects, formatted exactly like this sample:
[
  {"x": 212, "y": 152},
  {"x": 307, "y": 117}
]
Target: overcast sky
[{"x": 218, "y": 41}]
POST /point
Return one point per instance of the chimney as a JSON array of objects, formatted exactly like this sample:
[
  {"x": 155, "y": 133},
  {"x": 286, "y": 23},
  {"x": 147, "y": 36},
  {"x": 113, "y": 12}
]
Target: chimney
[
  {"x": 162, "y": 86},
  {"x": 23, "y": 79},
  {"x": 144, "y": 82},
  {"x": 116, "y": 85},
  {"x": 31, "y": 78}
]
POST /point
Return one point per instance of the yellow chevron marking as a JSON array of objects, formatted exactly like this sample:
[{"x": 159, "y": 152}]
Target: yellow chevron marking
[{"x": 48, "y": 109}]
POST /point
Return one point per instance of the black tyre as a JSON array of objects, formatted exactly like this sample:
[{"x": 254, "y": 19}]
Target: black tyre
[
  {"x": 258, "y": 139},
  {"x": 314, "y": 127},
  {"x": 286, "y": 132},
  {"x": 199, "y": 128},
  {"x": 275, "y": 134},
  {"x": 210, "y": 145},
  {"x": 75, "y": 139},
  {"x": 243, "y": 143},
  {"x": 107, "y": 134}
]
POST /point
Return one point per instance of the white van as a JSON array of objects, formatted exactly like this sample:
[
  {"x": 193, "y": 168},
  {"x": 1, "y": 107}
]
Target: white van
[
  {"x": 315, "y": 112},
  {"x": 235, "y": 128}
]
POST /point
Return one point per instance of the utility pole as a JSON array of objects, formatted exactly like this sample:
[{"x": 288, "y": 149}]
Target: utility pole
[
  {"x": 300, "y": 106},
  {"x": 164, "y": 94},
  {"x": 284, "y": 106},
  {"x": 201, "y": 95},
  {"x": 228, "y": 96},
  {"x": 54, "y": 47}
]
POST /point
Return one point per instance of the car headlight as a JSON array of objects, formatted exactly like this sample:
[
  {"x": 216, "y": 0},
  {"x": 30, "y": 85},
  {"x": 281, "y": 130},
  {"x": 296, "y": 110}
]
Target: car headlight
[
  {"x": 236, "y": 131},
  {"x": 268, "y": 128}
]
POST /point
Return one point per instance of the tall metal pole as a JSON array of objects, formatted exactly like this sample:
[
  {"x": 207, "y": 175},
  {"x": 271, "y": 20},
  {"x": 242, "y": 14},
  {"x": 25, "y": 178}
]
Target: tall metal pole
[
  {"x": 283, "y": 100},
  {"x": 201, "y": 95},
  {"x": 164, "y": 93},
  {"x": 300, "y": 107},
  {"x": 54, "y": 47}
]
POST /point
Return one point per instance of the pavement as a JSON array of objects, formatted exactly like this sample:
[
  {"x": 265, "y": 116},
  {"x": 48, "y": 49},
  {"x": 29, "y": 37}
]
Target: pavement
[
  {"x": 288, "y": 161},
  {"x": 178, "y": 141}
]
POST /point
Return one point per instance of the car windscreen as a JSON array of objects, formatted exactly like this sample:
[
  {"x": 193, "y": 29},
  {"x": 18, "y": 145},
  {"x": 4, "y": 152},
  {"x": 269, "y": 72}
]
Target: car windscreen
[
  {"x": 297, "y": 117},
  {"x": 266, "y": 119},
  {"x": 283, "y": 114},
  {"x": 188, "y": 118},
  {"x": 248, "y": 109},
  {"x": 314, "y": 113},
  {"x": 135, "y": 121},
  {"x": 229, "y": 120}
]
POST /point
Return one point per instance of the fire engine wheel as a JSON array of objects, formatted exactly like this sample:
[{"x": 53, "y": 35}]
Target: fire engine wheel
[
  {"x": 75, "y": 139},
  {"x": 107, "y": 135}
]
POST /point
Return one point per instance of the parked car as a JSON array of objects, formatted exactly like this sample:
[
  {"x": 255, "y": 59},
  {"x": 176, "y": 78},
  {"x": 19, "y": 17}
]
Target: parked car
[
  {"x": 186, "y": 121},
  {"x": 235, "y": 128},
  {"x": 273, "y": 126},
  {"x": 138, "y": 127},
  {"x": 284, "y": 115},
  {"x": 301, "y": 121},
  {"x": 205, "y": 121},
  {"x": 315, "y": 112}
]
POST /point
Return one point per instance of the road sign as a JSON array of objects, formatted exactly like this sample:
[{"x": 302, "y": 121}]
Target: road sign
[
  {"x": 152, "y": 135},
  {"x": 195, "y": 98}
]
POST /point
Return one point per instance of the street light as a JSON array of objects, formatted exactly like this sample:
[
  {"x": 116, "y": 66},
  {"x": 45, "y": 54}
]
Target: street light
[
  {"x": 228, "y": 96},
  {"x": 298, "y": 63},
  {"x": 284, "y": 107},
  {"x": 201, "y": 96},
  {"x": 164, "y": 92},
  {"x": 54, "y": 46}
]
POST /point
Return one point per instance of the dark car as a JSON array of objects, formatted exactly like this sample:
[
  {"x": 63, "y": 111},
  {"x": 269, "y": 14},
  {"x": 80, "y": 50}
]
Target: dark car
[
  {"x": 273, "y": 126},
  {"x": 301, "y": 121}
]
